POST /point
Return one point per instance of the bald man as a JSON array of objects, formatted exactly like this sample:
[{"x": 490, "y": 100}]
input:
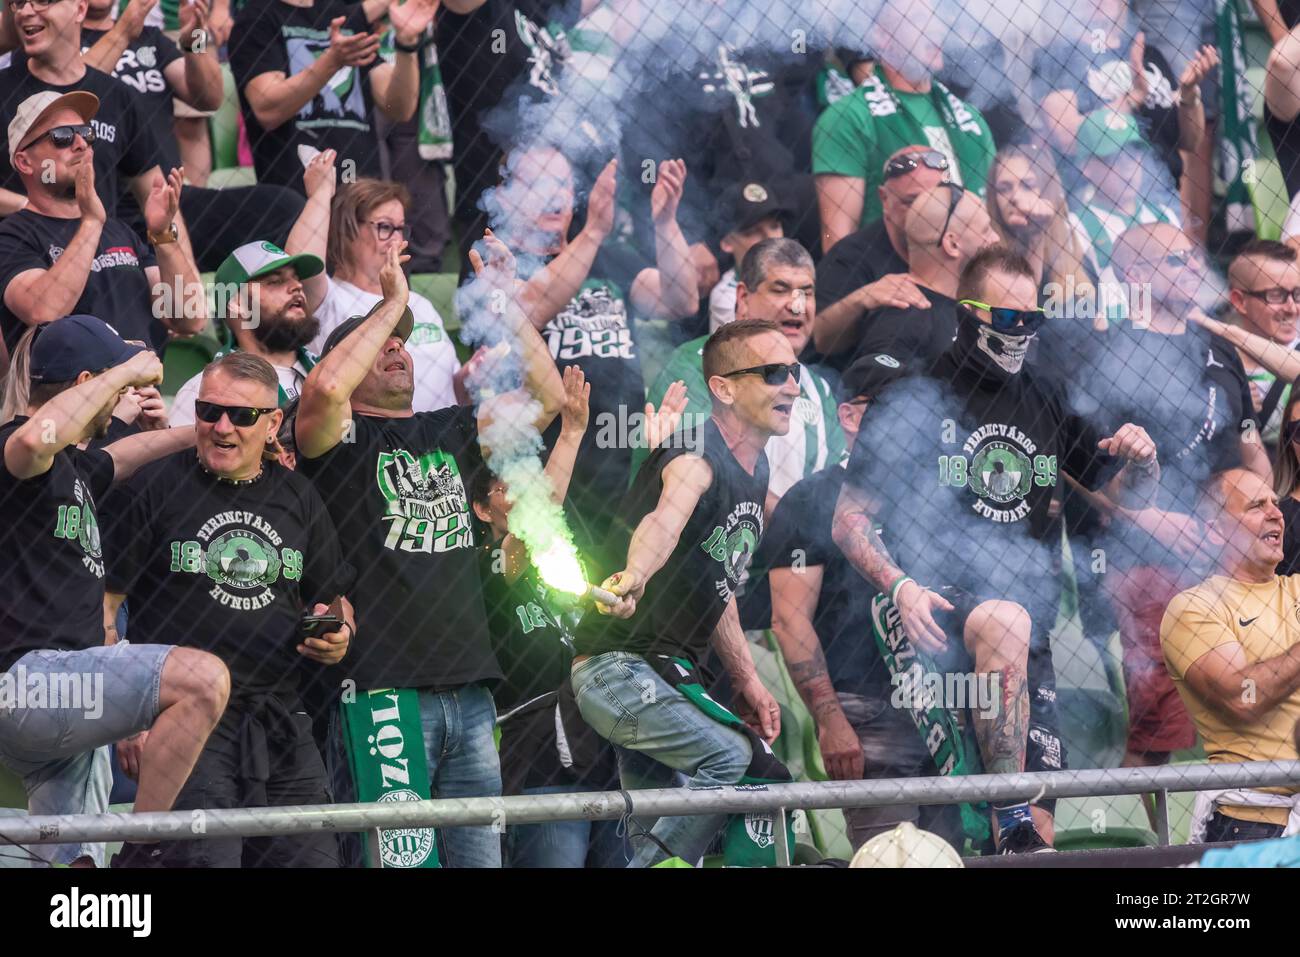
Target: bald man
[
  {"x": 1264, "y": 290},
  {"x": 867, "y": 269},
  {"x": 1232, "y": 647},
  {"x": 1188, "y": 389},
  {"x": 945, "y": 228}
]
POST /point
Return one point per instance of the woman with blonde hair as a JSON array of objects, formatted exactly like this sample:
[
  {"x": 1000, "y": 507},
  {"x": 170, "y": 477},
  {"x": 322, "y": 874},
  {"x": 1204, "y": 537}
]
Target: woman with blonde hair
[{"x": 1028, "y": 208}]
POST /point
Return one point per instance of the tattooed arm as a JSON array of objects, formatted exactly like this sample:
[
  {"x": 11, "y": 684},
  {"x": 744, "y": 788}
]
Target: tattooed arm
[
  {"x": 794, "y": 599},
  {"x": 854, "y": 532},
  {"x": 754, "y": 703}
]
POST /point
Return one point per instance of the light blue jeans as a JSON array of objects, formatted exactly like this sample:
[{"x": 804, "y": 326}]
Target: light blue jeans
[
  {"x": 462, "y": 755},
  {"x": 58, "y": 743},
  {"x": 657, "y": 732},
  {"x": 566, "y": 843}
]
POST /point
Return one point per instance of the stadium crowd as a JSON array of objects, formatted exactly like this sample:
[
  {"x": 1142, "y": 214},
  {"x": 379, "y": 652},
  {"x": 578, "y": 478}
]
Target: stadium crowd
[{"x": 846, "y": 369}]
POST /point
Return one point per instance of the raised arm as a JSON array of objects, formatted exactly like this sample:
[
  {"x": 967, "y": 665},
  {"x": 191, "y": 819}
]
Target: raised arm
[
  {"x": 136, "y": 451},
  {"x": 310, "y": 233},
  {"x": 275, "y": 98},
  {"x": 1280, "y": 360},
  {"x": 840, "y": 200},
  {"x": 541, "y": 379},
  {"x": 161, "y": 210},
  {"x": 573, "y": 424},
  {"x": 108, "y": 49},
  {"x": 552, "y": 286},
  {"x": 66, "y": 418},
  {"x": 196, "y": 77},
  {"x": 325, "y": 404},
  {"x": 1282, "y": 77},
  {"x": 670, "y": 291},
  {"x": 396, "y": 86}
]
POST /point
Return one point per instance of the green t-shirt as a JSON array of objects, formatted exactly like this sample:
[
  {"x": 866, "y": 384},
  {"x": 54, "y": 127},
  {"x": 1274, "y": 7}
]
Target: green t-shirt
[{"x": 858, "y": 133}]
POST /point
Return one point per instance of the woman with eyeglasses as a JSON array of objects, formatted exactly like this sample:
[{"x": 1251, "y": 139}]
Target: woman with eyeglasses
[
  {"x": 352, "y": 230},
  {"x": 1028, "y": 209}
]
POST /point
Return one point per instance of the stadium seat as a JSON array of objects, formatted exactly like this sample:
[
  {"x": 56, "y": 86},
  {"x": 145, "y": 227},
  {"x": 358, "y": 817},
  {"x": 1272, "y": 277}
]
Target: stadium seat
[
  {"x": 224, "y": 126},
  {"x": 185, "y": 358},
  {"x": 1092, "y": 823}
]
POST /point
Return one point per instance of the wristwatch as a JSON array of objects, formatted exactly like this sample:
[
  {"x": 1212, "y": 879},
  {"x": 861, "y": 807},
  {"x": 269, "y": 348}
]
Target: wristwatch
[{"x": 169, "y": 235}]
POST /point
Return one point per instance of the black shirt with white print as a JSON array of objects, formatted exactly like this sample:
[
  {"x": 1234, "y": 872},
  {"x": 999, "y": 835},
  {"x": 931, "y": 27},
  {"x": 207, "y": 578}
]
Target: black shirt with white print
[
  {"x": 117, "y": 289},
  {"x": 227, "y": 568},
  {"x": 125, "y": 144},
  {"x": 516, "y": 45},
  {"x": 52, "y": 581},
  {"x": 141, "y": 67},
  {"x": 396, "y": 489},
  {"x": 275, "y": 37},
  {"x": 685, "y": 599}
]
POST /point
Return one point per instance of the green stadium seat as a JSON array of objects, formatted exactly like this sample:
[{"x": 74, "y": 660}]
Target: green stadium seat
[
  {"x": 185, "y": 358},
  {"x": 223, "y": 126}
]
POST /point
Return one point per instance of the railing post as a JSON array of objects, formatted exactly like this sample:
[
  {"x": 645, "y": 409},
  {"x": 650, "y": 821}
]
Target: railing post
[
  {"x": 373, "y": 858},
  {"x": 1162, "y": 818},
  {"x": 782, "y": 838}
]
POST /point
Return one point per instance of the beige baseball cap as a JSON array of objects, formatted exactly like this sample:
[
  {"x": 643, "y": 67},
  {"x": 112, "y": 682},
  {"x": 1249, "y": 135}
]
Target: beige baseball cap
[{"x": 33, "y": 111}]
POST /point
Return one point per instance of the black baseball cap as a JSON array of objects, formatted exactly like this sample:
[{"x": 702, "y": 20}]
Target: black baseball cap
[
  {"x": 346, "y": 328},
  {"x": 868, "y": 375},
  {"x": 67, "y": 347},
  {"x": 743, "y": 205}
]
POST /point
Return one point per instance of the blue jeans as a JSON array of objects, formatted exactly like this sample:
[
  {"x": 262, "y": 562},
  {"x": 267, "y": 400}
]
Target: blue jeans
[
  {"x": 462, "y": 756},
  {"x": 566, "y": 843},
  {"x": 58, "y": 744},
  {"x": 657, "y": 731}
]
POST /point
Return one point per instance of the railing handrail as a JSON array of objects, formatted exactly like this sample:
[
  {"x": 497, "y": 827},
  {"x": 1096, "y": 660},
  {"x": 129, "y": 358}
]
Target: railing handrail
[{"x": 611, "y": 805}]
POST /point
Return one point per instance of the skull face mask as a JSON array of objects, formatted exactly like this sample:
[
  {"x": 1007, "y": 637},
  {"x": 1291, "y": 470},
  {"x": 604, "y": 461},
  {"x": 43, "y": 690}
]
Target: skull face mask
[{"x": 1006, "y": 350}]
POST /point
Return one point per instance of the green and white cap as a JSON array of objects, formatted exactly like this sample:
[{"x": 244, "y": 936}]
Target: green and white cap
[{"x": 257, "y": 259}]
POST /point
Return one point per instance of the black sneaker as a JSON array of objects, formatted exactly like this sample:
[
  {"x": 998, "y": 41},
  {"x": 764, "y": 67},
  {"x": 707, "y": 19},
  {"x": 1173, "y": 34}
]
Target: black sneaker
[
  {"x": 1023, "y": 839},
  {"x": 138, "y": 855}
]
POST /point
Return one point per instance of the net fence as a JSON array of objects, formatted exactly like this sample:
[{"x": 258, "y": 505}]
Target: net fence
[{"x": 526, "y": 398}]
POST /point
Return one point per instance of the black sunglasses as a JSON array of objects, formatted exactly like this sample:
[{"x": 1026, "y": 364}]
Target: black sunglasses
[
  {"x": 902, "y": 165},
  {"x": 774, "y": 373},
  {"x": 241, "y": 416},
  {"x": 1275, "y": 296},
  {"x": 956, "y": 192},
  {"x": 1006, "y": 319},
  {"x": 64, "y": 136}
]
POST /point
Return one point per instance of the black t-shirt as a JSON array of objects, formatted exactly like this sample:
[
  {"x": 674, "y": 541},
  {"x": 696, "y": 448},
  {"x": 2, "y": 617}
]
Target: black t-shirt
[
  {"x": 859, "y": 258},
  {"x": 910, "y": 335},
  {"x": 801, "y": 530},
  {"x": 1188, "y": 391},
  {"x": 685, "y": 599},
  {"x": 1286, "y": 144},
  {"x": 963, "y": 465},
  {"x": 125, "y": 145},
  {"x": 275, "y": 37},
  {"x": 594, "y": 332},
  {"x": 225, "y": 568},
  {"x": 1290, "y": 563},
  {"x": 141, "y": 67},
  {"x": 531, "y": 646},
  {"x": 52, "y": 579},
  {"x": 396, "y": 492},
  {"x": 502, "y": 44},
  {"x": 117, "y": 289}
]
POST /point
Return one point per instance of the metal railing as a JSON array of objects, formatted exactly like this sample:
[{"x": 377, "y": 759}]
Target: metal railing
[{"x": 613, "y": 805}]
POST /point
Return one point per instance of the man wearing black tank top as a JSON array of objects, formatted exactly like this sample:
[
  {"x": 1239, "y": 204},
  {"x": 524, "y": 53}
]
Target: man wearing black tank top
[{"x": 678, "y": 549}]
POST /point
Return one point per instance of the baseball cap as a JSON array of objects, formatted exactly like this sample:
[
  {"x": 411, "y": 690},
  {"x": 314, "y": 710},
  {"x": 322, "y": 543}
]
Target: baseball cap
[
  {"x": 868, "y": 375},
  {"x": 259, "y": 258},
  {"x": 1106, "y": 132},
  {"x": 67, "y": 347},
  {"x": 33, "y": 111},
  {"x": 348, "y": 326},
  {"x": 744, "y": 204}
]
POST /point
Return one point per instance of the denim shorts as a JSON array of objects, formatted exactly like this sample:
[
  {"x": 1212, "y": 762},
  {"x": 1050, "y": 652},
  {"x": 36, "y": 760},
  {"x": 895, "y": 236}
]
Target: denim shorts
[{"x": 59, "y": 712}]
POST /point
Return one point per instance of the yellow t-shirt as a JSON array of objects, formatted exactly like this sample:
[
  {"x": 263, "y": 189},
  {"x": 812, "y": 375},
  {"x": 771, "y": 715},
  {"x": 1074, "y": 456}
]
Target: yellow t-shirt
[{"x": 1265, "y": 620}]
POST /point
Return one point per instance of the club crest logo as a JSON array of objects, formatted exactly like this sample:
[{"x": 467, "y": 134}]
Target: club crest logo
[{"x": 242, "y": 559}]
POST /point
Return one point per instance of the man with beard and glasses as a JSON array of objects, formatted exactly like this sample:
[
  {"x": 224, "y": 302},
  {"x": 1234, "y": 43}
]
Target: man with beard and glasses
[
  {"x": 979, "y": 528},
  {"x": 266, "y": 314},
  {"x": 64, "y": 254}
]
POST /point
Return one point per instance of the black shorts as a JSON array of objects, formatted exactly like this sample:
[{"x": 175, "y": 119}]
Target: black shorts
[{"x": 259, "y": 755}]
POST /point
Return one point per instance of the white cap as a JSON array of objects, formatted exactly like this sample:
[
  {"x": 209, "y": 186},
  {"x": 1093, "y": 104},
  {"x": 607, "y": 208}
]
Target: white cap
[
  {"x": 907, "y": 846},
  {"x": 33, "y": 110}
]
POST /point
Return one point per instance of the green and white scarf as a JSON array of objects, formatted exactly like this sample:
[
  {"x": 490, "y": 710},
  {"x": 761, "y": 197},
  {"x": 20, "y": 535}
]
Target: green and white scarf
[
  {"x": 936, "y": 724},
  {"x": 1238, "y": 141},
  {"x": 384, "y": 741}
]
